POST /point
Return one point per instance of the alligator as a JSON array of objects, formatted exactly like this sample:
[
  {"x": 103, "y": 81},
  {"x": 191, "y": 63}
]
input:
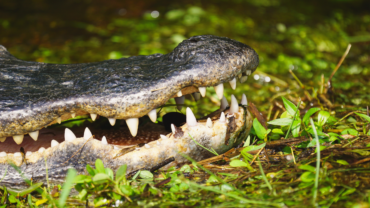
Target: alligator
[{"x": 35, "y": 95}]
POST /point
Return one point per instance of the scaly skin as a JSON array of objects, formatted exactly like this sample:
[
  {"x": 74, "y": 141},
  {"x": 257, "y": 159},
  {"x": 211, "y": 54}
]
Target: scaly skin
[{"x": 34, "y": 95}]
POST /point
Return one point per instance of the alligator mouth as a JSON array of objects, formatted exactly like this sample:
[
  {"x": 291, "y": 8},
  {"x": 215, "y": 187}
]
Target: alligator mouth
[{"x": 37, "y": 95}]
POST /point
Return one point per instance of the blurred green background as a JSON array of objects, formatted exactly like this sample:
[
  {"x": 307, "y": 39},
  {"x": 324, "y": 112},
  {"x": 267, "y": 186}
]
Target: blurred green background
[{"x": 308, "y": 37}]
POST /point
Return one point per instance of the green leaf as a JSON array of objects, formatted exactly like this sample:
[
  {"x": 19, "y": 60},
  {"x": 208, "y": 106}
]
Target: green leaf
[
  {"x": 307, "y": 167},
  {"x": 109, "y": 172},
  {"x": 67, "y": 186},
  {"x": 309, "y": 113},
  {"x": 238, "y": 163},
  {"x": 296, "y": 127},
  {"x": 99, "y": 166},
  {"x": 352, "y": 132},
  {"x": 308, "y": 177},
  {"x": 289, "y": 106},
  {"x": 322, "y": 117},
  {"x": 348, "y": 191},
  {"x": 361, "y": 152},
  {"x": 281, "y": 122},
  {"x": 174, "y": 188},
  {"x": 145, "y": 174},
  {"x": 23, "y": 192},
  {"x": 254, "y": 147},
  {"x": 121, "y": 172},
  {"x": 12, "y": 199},
  {"x": 342, "y": 162},
  {"x": 366, "y": 117},
  {"x": 183, "y": 187},
  {"x": 90, "y": 170},
  {"x": 259, "y": 129},
  {"x": 100, "y": 178},
  {"x": 82, "y": 179},
  {"x": 127, "y": 190}
]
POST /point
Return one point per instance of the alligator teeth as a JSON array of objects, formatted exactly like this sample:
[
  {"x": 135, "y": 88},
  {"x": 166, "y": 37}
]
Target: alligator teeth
[
  {"x": 34, "y": 135},
  {"x": 202, "y": 91},
  {"x": 233, "y": 83},
  {"x": 2, "y": 139},
  {"x": 112, "y": 121},
  {"x": 93, "y": 116},
  {"x": 224, "y": 103},
  {"x": 179, "y": 93},
  {"x": 116, "y": 148},
  {"x": 244, "y": 100},
  {"x": 87, "y": 134},
  {"x": 248, "y": 72},
  {"x": 133, "y": 125},
  {"x": 234, "y": 105},
  {"x": 158, "y": 143},
  {"x": 3, "y": 154},
  {"x": 219, "y": 90},
  {"x": 196, "y": 96},
  {"x": 18, "y": 139},
  {"x": 28, "y": 153},
  {"x": 17, "y": 154},
  {"x": 173, "y": 128},
  {"x": 69, "y": 135},
  {"x": 180, "y": 102},
  {"x": 243, "y": 79},
  {"x": 163, "y": 136},
  {"x": 73, "y": 115},
  {"x": 147, "y": 146},
  {"x": 153, "y": 115},
  {"x": 190, "y": 118},
  {"x": 240, "y": 75},
  {"x": 222, "y": 118},
  {"x": 42, "y": 149},
  {"x": 104, "y": 140},
  {"x": 209, "y": 123},
  {"x": 59, "y": 120},
  {"x": 54, "y": 143}
]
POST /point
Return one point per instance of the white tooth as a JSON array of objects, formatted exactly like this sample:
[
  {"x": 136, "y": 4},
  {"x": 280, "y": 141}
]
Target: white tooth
[
  {"x": 104, "y": 140},
  {"x": 3, "y": 154},
  {"x": 209, "y": 123},
  {"x": 158, "y": 143},
  {"x": 234, "y": 105},
  {"x": 59, "y": 120},
  {"x": 244, "y": 100},
  {"x": 239, "y": 75},
  {"x": 173, "y": 128},
  {"x": 233, "y": 83},
  {"x": 153, "y": 115},
  {"x": 202, "y": 91},
  {"x": 133, "y": 125},
  {"x": 69, "y": 135},
  {"x": 93, "y": 116},
  {"x": 219, "y": 90},
  {"x": 34, "y": 135},
  {"x": 17, "y": 154},
  {"x": 179, "y": 93},
  {"x": 163, "y": 136},
  {"x": 87, "y": 134},
  {"x": 116, "y": 148},
  {"x": 42, "y": 149},
  {"x": 196, "y": 96},
  {"x": 2, "y": 139},
  {"x": 18, "y": 139},
  {"x": 224, "y": 103},
  {"x": 190, "y": 118},
  {"x": 248, "y": 72},
  {"x": 28, "y": 153},
  {"x": 147, "y": 146},
  {"x": 222, "y": 118},
  {"x": 180, "y": 102},
  {"x": 54, "y": 143},
  {"x": 237, "y": 62},
  {"x": 137, "y": 148},
  {"x": 243, "y": 79},
  {"x": 112, "y": 121},
  {"x": 73, "y": 115}
]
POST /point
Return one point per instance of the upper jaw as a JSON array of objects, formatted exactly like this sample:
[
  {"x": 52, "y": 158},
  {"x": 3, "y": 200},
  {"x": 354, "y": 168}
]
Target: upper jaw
[{"x": 195, "y": 64}]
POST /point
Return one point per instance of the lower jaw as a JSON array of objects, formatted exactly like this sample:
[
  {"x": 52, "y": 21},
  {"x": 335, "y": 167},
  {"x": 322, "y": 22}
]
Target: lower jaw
[{"x": 221, "y": 135}]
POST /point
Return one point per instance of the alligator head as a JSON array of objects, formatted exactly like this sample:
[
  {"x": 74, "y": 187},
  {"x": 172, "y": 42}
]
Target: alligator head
[{"x": 35, "y": 95}]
